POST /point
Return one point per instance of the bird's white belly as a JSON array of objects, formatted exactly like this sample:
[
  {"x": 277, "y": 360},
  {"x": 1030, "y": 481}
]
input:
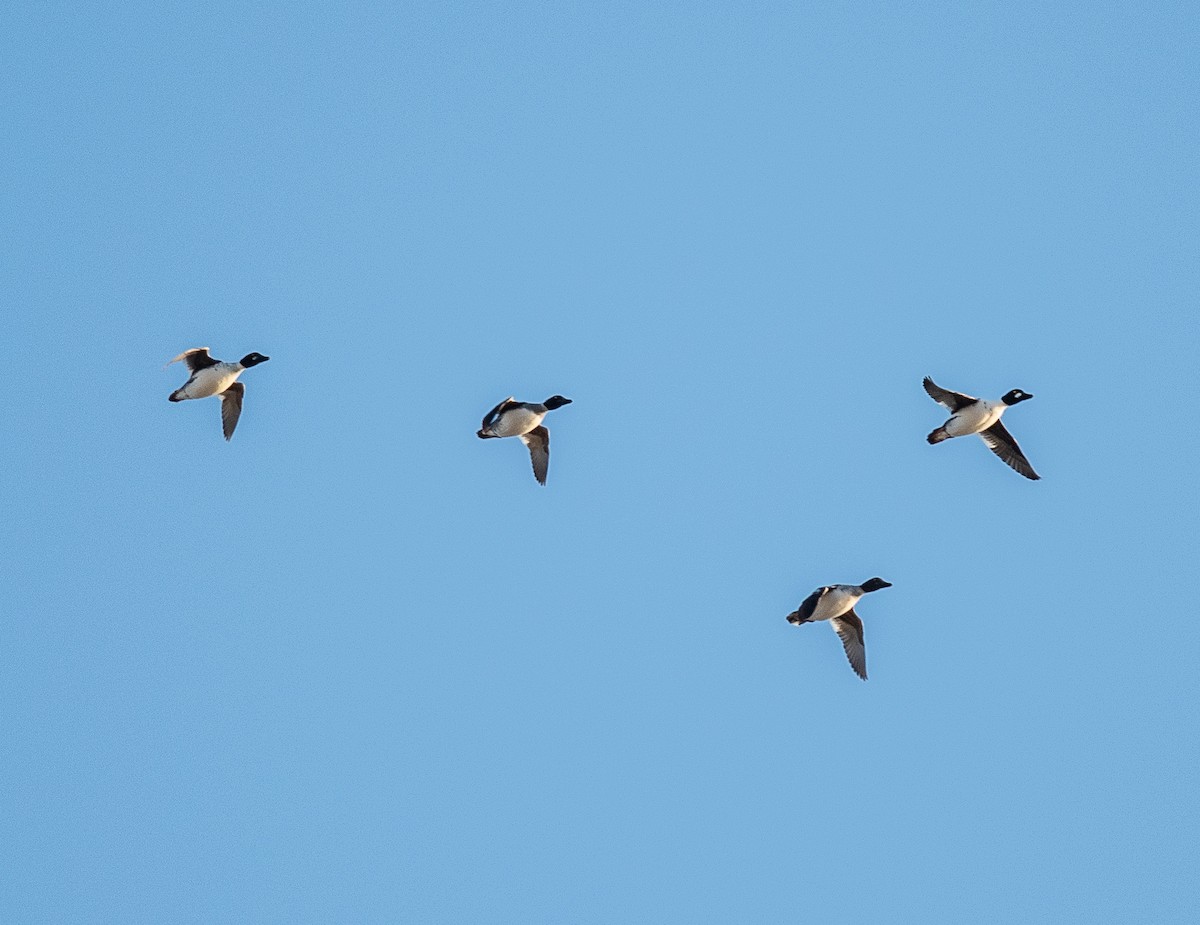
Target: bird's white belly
[
  {"x": 517, "y": 421},
  {"x": 834, "y": 604},
  {"x": 973, "y": 419},
  {"x": 211, "y": 381}
]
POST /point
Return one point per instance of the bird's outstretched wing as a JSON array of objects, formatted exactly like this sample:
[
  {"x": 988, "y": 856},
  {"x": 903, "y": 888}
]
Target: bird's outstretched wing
[
  {"x": 1001, "y": 442},
  {"x": 231, "y": 407},
  {"x": 850, "y": 630},
  {"x": 953, "y": 401},
  {"x": 197, "y": 358},
  {"x": 538, "y": 441}
]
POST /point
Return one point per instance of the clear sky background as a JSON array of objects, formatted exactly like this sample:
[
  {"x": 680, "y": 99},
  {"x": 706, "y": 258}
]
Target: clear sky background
[{"x": 357, "y": 666}]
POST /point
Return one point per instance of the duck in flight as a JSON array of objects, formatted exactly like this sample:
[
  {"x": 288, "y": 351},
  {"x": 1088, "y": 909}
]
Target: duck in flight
[
  {"x": 835, "y": 603},
  {"x": 213, "y": 377},
  {"x": 522, "y": 419},
  {"x": 970, "y": 415}
]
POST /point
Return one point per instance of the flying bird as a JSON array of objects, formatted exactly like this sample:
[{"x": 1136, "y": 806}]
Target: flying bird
[
  {"x": 213, "y": 377},
  {"x": 835, "y": 603},
  {"x": 522, "y": 419},
  {"x": 970, "y": 415}
]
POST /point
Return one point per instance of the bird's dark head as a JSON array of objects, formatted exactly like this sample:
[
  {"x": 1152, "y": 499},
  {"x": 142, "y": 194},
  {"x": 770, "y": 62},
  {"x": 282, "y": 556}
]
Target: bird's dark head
[
  {"x": 253, "y": 359},
  {"x": 555, "y": 401},
  {"x": 875, "y": 584},
  {"x": 1015, "y": 397}
]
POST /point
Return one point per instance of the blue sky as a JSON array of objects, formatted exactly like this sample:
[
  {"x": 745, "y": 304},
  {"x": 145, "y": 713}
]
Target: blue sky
[{"x": 357, "y": 666}]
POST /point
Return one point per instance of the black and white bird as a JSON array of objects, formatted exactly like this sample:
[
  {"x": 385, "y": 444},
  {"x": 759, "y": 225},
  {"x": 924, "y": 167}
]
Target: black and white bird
[
  {"x": 970, "y": 415},
  {"x": 213, "y": 377},
  {"x": 522, "y": 419},
  {"x": 835, "y": 603}
]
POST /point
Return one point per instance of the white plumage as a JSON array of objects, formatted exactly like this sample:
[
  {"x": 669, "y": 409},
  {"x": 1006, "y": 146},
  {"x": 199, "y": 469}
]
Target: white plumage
[
  {"x": 210, "y": 381},
  {"x": 974, "y": 418}
]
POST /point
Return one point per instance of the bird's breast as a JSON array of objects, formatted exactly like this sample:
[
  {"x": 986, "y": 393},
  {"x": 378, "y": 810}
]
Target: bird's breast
[
  {"x": 212, "y": 380},
  {"x": 973, "y": 419},
  {"x": 516, "y": 421},
  {"x": 834, "y": 603}
]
